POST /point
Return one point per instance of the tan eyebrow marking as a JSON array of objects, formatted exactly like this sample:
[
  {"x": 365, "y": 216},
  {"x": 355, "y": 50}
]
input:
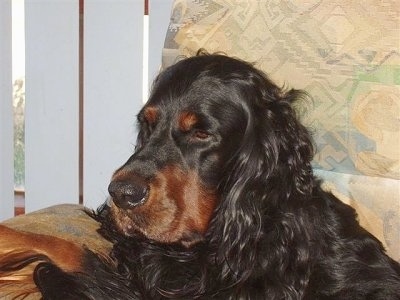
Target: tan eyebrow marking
[
  {"x": 151, "y": 114},
  {"x": 187, "y": 120}
]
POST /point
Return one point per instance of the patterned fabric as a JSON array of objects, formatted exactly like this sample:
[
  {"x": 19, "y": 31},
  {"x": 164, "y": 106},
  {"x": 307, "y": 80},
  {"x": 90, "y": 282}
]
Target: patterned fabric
[
  {"x": 345, "y": 54},
  {"x": 66, "y": 221}
]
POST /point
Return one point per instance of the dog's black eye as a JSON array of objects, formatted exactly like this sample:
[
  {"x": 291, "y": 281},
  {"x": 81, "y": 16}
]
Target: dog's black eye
[{"x": 200, "y": 134}]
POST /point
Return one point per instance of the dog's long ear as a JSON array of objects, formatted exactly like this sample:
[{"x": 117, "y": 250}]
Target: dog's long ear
[
  {"x": 270, "y": 168},
  {"x": 288, "y": 142}
]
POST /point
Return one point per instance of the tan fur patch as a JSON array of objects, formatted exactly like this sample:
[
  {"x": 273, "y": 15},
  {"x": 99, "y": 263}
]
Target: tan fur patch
[
  {"x": 186, "y": 121},
  {"x": 151, "y": 114}
]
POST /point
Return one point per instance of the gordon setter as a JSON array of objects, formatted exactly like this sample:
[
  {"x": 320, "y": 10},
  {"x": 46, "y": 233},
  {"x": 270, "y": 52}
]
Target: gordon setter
[{"x": 219, "y": 201}]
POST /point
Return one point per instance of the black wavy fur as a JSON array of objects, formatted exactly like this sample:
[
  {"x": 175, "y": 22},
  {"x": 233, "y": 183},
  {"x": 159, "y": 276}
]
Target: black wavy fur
[{"x": 274, "y": 234}]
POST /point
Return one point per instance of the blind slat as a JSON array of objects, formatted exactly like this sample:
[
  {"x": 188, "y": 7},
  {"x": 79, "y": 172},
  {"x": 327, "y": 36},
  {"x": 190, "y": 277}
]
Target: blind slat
[
  {"x": 52, "y": 103},
  {"x": 113, "y": 34},
  {"x": 159, "y": 18}
]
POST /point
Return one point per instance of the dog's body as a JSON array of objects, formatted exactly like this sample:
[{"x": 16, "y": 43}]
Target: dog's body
[{"x": 219, "y": 202}]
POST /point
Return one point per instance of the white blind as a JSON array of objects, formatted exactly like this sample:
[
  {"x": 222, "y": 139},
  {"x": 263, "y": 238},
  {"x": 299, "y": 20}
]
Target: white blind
[{"x": 55, "y": 119}]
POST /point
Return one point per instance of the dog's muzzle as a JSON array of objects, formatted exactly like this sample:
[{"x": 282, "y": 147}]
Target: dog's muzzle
[{"x": 127, "y": 194}]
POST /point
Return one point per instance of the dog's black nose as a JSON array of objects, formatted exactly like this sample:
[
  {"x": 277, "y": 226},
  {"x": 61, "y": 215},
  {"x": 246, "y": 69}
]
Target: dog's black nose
[{"x": 128, "y": 194}]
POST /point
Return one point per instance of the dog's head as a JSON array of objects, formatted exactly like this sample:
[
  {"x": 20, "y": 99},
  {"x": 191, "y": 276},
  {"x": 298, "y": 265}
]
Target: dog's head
[{"x": 215, "y": 137}]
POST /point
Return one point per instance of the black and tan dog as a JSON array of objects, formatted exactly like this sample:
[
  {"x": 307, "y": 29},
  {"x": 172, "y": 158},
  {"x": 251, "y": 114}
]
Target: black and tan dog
[{"x": 218, "y": 202}]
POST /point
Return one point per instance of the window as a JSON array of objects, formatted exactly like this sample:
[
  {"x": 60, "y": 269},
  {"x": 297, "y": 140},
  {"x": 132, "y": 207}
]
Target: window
[{"x": 18, "y": 77}]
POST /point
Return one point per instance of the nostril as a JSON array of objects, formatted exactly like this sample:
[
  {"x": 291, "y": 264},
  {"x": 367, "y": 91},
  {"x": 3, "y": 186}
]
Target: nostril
[{"x": 127, "y": 194}]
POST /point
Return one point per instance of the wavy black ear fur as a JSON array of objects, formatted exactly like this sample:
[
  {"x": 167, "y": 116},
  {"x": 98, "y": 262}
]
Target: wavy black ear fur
[{"x": 271, "y": 170}]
